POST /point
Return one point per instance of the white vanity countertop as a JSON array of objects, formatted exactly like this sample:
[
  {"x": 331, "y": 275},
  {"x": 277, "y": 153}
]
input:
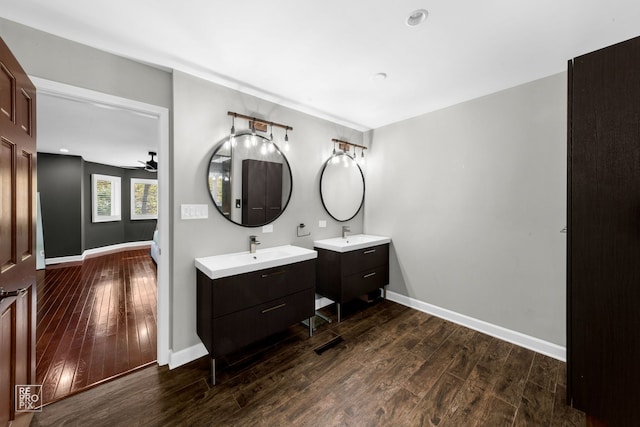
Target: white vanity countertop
[
  {"x": 225, "y": 265},
  {"x": 351, "y": 243}
]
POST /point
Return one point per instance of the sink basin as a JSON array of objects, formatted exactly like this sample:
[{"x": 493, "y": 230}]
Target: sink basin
[
  {"x": 351, "y": 243},
  {"x": 218, "y": 266}
]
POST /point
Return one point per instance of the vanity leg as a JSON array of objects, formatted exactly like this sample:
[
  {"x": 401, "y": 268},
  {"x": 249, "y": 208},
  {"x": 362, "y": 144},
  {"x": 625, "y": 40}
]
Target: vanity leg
[
  {"x": 339, "y": 311},
  {"x": 311, "y": 325},
  {"x": 213, "y": 371},
  {"x": 384, "y": 292}
]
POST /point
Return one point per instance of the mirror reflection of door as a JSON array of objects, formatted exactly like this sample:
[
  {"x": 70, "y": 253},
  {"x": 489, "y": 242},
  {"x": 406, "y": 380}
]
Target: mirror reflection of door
[
  {"x": 273, "y": 196},
  {"x": 261, "y": 191}
]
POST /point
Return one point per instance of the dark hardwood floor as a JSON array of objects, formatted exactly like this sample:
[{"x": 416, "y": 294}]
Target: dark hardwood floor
[
  {"x": 96, "y": 320},
  {"x": 395, "y": 367}
]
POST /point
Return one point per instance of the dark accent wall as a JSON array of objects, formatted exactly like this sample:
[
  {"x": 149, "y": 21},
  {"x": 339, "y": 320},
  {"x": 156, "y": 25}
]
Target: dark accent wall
[
  {"x": 101, "y": 233},
  {"x": 139, "y": 229},
  {"x": 60, "y": 187},
  {"x": 64, "y": 183},
  {"x": 110, "y": 233}
]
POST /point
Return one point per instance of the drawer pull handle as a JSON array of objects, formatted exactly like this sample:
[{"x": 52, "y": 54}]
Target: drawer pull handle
[
  {"x": 369, "y": 275},
  {"x": 369, "y": 251},
  {"x": 276, "y": 273},
  {"x": 266, "y": 310}
]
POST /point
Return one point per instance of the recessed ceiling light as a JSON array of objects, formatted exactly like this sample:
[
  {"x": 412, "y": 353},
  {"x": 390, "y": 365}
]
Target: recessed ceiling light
[
  {"x": 417, "y": 17},
  {"x": 64, "y": 150},
  {"x": 378, "y": 77}
]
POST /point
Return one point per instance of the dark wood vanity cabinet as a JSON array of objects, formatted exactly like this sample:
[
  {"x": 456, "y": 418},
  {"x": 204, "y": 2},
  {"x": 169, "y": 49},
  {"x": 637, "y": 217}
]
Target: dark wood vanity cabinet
[
  {"x": 603, "y": 241},
  {"x": 235, "y": 311},
  {"x": 343, "y": 276}
]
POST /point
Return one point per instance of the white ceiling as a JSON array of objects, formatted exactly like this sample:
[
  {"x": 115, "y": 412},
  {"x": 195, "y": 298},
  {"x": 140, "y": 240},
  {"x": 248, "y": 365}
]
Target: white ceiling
[
  {"x": 319, "y": 57},
  {"x": 97, "y": 132}
]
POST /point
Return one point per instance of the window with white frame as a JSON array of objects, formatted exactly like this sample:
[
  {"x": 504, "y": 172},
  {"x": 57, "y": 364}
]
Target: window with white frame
[
  {"x": 105, "y": 198},
  {"x": 144, "y": 198}
]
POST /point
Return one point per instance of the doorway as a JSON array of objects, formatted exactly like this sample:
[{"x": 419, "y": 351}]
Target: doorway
[{"x": 161, "y": 117}]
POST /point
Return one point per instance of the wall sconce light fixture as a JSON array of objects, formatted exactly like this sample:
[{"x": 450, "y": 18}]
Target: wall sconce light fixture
[
  {"x": 346, "y": 147},
  {"x": 260, "y": 125}
]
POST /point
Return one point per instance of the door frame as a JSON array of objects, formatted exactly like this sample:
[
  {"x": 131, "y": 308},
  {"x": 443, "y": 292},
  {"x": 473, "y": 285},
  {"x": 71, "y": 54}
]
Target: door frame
[{"x": 53, "y": 88}]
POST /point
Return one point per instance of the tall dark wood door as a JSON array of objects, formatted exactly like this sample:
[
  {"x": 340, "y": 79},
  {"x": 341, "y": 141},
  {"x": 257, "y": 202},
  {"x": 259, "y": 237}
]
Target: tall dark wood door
[
  {"x": 604, "y": 234},
  {"x": 254, "y": 187},
  {"x": 261, "y": 191},
  {"x": 273, "y": 196},
  {"x": 17, "y": 232}
]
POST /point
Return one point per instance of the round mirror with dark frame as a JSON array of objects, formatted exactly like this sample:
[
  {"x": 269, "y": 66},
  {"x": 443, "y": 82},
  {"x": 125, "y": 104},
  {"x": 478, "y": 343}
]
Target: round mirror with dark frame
[
  {"x": 249, "y": 180},
  {"x": 342, "y": 187}
]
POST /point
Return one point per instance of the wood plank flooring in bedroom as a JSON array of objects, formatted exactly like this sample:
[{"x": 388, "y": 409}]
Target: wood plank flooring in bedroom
[
  {"x": 96, "y": 321},
  {"x": 396, "y": 367}
]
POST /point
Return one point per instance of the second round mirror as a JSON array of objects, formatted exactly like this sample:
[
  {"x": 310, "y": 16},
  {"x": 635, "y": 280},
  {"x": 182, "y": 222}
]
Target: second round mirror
[{"x": 342, "y": 187}]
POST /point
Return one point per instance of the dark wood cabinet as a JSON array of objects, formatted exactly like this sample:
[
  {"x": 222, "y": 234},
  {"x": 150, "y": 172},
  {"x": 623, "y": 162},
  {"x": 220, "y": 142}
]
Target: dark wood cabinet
[
  {"x": 261, "y": 191},
  {"x": 343, "y": 276},
  {"x": 235, "y": 311},
  {"x": 603, "y": 246}
]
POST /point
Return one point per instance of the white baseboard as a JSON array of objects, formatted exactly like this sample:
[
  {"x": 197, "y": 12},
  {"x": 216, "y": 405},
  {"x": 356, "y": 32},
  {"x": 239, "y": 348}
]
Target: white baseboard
[
  {"x": 187, "y": 355},
  {"x": 97, "y": 251},
  {"x": 518, "y": 338}
]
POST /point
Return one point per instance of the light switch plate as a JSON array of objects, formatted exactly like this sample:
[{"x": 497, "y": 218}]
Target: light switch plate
[
  {"x": 194, "y": 211},
  {"x": 267, "y": 228},
  {"x": 322, "y": 223}
]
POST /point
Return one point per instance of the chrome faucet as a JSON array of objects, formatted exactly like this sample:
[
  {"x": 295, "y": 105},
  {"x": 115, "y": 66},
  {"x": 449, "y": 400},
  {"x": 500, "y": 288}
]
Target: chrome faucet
[
  {"x": 253, "y": 242},
  {"x": 345, "y": 230}
]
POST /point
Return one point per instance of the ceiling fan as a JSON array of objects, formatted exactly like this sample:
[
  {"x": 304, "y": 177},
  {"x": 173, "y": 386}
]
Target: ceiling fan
[{"x": 150, "y": 165}]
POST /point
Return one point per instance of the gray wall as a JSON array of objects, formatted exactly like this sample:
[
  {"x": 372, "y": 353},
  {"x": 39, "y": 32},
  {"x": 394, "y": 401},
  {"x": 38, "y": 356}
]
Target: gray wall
[
  {"x": 474, "y": 197},
  {"x": 64, "y": 183},
  {"x": 60, "y": 187},
  {"x": 60, "y": 60},
  {"x": 200, "y": 121}
]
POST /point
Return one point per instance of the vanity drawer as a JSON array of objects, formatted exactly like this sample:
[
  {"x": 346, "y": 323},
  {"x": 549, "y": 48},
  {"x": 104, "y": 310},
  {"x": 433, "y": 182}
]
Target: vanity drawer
[
  {"x": 281, "y": 313},
  {"x": 364, "y": 282},
  {"x": 236, "y": 330},
  {"x": 365, "y": 259},
  {"x": 235, "y": 293}
]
